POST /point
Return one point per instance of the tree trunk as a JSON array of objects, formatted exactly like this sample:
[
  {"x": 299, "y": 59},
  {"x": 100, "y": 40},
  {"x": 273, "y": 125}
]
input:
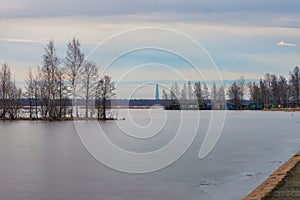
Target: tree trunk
[
  {"x": 30, "y": 108},
  {"x": 104, "y": 109},
  {"x": 87, "y": 99}
]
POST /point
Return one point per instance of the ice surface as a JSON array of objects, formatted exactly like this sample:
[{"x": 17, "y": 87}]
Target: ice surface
[{"x": 46, "y": 160}]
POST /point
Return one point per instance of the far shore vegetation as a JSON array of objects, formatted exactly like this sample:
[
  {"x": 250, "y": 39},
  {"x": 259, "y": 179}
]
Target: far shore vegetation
[
  {"x": 273, "y": 91},
  {"x": 53, "y": 90}
]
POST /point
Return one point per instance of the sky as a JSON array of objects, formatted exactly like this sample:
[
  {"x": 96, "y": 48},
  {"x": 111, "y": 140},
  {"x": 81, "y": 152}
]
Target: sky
[{"x": 140, "y": 43}]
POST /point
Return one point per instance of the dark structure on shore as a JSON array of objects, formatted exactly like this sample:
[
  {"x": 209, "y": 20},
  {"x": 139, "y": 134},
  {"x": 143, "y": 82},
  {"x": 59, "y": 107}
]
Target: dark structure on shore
[{"x": 174, "y": 104}]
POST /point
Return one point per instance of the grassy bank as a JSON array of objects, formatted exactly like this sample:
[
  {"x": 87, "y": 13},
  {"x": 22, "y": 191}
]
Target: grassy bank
[
  {"x": 277, "y": 182},
  {"x": 282, "y": 109},
  {"x": 289, "y": 188}
]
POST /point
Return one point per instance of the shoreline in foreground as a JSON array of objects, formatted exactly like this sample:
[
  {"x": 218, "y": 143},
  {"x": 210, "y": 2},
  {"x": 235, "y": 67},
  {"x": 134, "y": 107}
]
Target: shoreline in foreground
[{"x": 265, "y": 189}]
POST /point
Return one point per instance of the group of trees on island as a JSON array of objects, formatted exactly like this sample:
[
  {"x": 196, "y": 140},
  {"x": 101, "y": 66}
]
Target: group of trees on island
[
  {"x": 271, "y": 90},
  {"x": 53, "y": 89}
]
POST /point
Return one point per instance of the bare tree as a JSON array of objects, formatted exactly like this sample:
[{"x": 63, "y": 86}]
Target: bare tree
[
  {"x": 49, "y": 72},
  {"x": 29, "y": 87},
  {"x": 164, "y": 95},
  {"x": 236, "y": 92},
  {"x": 294, "y": 84},
  {"x": 242, "y": 87},
  {"x": 274, "y": 89},
  {"x": 73, "y": 66},
  {"x": 104, "y": 92},
  {"x": 214, "y": 95},
  {"x": 221, "y": 97},
  {"x": 10, "y": 94},
  {"x": 89, "y": 79},
  {"x": 183, "y": 95},
  {"x": 62, "y": 94},
  {"x": 190, "y": 94},
  {"x": 5, "y": 84},
  {"x": 198, "y": 91},
  {"x": 267, "y": 87},
  {"x": 205, "y": 93},
  {"x": 233, "y": 94},
  {"x": 14, "y": 97},
  {"x": 36, "y": 89},
  {"x": 255, "y": 92},
  {"x": 176, "y": 91},
  {"x": 264, "y": 91},
  {"x": 172, "y": 93},
  {"x": 283, "y": 88}
]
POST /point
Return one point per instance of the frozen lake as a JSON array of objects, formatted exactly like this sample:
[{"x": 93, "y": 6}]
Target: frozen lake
[{"x": 46, "y": 160}]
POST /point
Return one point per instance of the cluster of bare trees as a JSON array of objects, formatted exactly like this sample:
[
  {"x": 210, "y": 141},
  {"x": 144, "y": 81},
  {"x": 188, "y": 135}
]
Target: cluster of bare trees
[
  {"x": 175, "y": 93},
  {"x": 236, "y": 92},
  {"x": 187, "y": 92},
  {"x": 10, "y": 94},
  {"x": 53, "y": 89},
  {"x": 218, "y": 96},
  {"x": 272, "y": 89},
  {"x": 197, "y": 93}
]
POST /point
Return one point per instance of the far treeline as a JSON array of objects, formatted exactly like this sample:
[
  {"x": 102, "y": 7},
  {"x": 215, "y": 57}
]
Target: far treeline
[
  {"x": 270, "y": 92},
  {"x": 55, "y": 85}
]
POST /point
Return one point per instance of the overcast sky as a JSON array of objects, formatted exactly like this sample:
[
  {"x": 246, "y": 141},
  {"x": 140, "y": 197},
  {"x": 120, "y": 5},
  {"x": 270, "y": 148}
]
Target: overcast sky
[{"x": 246, "y": 38}]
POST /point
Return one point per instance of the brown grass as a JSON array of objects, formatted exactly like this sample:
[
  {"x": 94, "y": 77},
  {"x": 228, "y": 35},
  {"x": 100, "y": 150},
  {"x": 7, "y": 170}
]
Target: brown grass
[
  {"x": 282, "y": 109},
  {"x": 274, "y": 179}
]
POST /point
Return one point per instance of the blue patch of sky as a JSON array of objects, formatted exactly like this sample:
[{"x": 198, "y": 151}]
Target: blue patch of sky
[
  {"x": 181, "y": 82},
  {"x": 24, "y": 52},
  {"x": 151, "y": 56},
  {"x": 252, "y": 55}
]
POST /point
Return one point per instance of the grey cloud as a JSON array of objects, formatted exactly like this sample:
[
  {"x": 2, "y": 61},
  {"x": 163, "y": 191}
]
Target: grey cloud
[{"x": 57, "y": 8}]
